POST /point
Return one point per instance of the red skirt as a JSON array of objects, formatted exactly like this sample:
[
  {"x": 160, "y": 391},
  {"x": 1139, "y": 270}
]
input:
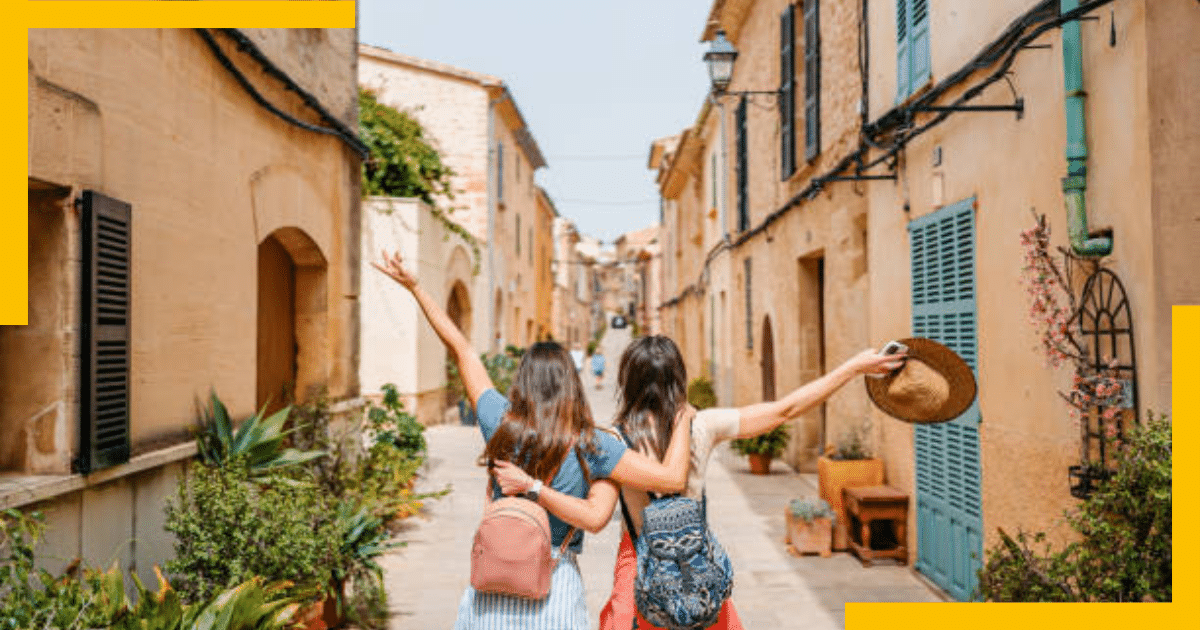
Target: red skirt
[{"x": 621, "y": 611}]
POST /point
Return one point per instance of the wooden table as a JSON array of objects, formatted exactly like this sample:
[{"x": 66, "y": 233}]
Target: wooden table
[{"x": 876, "y": 503}]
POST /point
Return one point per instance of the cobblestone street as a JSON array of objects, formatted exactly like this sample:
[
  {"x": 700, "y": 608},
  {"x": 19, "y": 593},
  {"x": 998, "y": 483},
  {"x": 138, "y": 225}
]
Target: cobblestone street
[{"x": 773, "y": 589}]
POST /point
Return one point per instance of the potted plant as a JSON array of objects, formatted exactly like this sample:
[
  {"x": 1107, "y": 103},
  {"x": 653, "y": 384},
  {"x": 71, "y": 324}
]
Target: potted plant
[
  {"x": 763, "y": 448},
  {"x": 810, "y": 526},
  {"x": 849, "y": 464}
]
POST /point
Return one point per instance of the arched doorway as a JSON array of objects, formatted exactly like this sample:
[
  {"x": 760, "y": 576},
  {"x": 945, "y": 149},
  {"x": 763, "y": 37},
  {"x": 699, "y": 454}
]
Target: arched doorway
[
  {"x": 768, "y": 361},
  {"x": 458, "y": 307},
  {"x": 291, "y": 318}
]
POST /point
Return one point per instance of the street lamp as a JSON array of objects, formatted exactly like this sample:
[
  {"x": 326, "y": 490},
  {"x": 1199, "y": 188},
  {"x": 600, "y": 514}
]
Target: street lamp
[{"x": 720, "y": 57}]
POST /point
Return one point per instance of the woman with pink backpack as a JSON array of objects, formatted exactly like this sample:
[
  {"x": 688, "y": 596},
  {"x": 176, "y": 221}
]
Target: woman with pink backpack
[{"x": 546, "y": 427}]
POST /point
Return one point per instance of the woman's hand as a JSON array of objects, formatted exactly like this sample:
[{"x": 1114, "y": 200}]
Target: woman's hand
[
  {"x": 393, "y": 266},
  {"x": 869, "y": 361},
  {"x": 511, "y": 478}
]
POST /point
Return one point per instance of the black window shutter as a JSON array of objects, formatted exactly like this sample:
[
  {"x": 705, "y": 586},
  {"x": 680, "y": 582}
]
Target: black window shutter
[
  {"x": 104, "y": 333},
  {"x": 743, "y": 201},
  {"x": 787, "y": 91},
  {"x": 812, "y": 80}
]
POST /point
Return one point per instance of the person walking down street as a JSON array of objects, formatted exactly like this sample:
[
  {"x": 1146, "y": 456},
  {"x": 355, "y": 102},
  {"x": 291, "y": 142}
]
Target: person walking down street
[
  {"x": 652, "y": 383},
  {"x": 598, "y": 367},
  {"x": 546, "y": 427}
]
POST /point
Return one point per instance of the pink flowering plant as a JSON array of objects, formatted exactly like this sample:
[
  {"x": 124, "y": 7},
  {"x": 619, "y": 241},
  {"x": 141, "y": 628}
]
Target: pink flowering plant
[{"x": 1053, "y": 310}]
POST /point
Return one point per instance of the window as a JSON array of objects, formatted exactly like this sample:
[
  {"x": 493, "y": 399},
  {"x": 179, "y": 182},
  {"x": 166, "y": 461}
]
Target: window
[
  {"x": 749, "y": 309},
  {"x": 912, "y": 46},
  {"x": 530, "y": 241},
  {"x": 500, "y": 172},
  {"x": 787, "y": 90},
  {"x": 518, "y": 235},
  {"x": 743, "y": 201},
  {"x": 812, "y": 79}
]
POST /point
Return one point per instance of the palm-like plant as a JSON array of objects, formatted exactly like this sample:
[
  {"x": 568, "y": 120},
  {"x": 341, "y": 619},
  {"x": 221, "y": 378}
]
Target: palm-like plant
[{"x": 258, "y": 441}]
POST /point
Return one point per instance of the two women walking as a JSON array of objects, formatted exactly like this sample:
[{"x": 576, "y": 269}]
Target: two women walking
[{"x": 542, "y": 442}]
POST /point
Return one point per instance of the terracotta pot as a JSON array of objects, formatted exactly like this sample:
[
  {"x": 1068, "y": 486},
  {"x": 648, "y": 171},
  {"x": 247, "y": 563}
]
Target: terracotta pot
[
  {"x": 835, "y": 474},
  {"x": 312, "y": 617},
  {"x": 760, "y": 464},
  {"x": 815, "y": 537}
]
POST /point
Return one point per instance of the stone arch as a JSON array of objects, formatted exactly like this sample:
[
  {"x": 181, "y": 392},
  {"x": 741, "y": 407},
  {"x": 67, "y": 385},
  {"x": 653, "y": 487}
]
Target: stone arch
[
  {"x": 292, "y": 318},
  {"x": 285, "y": 196}
]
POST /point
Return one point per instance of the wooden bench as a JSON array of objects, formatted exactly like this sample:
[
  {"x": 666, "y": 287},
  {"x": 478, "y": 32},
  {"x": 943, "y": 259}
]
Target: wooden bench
[{"x": 876, "y": 503}]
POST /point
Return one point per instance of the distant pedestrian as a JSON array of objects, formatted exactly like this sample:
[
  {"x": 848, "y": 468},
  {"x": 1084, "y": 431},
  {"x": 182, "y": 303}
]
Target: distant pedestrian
[
  {"x": 598, "y": 366},
  {"x": 577, "y": 358},
  {"x": 545, "y": 425}
]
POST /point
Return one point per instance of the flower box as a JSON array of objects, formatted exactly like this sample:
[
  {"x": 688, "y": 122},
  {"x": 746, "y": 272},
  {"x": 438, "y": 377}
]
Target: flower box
[
  {"x": 809, "y": 537},
  {"x": 833, "y": 475}
]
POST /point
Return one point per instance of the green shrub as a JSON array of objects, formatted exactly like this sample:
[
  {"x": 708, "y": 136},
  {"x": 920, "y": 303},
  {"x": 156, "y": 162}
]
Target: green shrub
[
  {"x": 391, "y": 424},
  {"x": 809, "y": 508},
  {"x": 771, "y": 443},
  {"x": 35, "y": 598},
  {"x": 403, "y": 162},
  {"x": 700, "y": 393},
  {"x": 1123, "y": 550},
  {"x": 229, "y": 528},
  {"x": 853, "y": 443}
]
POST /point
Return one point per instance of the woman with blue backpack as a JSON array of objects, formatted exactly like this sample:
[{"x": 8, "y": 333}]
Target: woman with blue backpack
[
  {"x": 670, "y": 572},
  {"x": 545, "y": 425}
]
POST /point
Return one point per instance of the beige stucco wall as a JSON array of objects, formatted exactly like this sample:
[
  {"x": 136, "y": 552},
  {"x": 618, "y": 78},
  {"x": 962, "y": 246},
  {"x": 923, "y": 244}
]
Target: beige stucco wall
[
  {"x": 398, "y": 344},
  {"x": 151, "y": 118},
  {"x": 1009, "y": 167}
]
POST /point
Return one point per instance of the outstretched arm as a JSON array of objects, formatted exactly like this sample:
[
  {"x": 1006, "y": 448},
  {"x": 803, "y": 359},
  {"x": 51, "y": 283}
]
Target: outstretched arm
[
  {"x": 760, "y": 418},
  {"x": 474, "y": 376},
  {"x": 590, "y": 514},
  {"x": 638, "y": 471}
]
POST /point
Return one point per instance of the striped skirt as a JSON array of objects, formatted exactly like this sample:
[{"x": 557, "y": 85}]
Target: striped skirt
[{"x": 564, "y": 609}]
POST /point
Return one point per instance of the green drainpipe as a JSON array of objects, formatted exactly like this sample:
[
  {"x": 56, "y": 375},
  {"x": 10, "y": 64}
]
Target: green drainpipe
[{"x": 1075, "y": 183}]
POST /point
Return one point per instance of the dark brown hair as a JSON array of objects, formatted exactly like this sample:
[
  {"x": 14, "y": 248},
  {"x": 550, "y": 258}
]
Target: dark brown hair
[
  {"x": 548, "y": 414},
  {"x": 652, "y": 381}
]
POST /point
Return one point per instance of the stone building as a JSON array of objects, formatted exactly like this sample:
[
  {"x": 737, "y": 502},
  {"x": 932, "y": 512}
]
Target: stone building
[
  {"x": 638, "y": 260},
  {"x": 543, "y": 265},
  {"x": 475, "y": 124},
  {"x": 574, "y": 322},
  {"x": 885, "y": 198},
  {"x": 183, "y": 238}
]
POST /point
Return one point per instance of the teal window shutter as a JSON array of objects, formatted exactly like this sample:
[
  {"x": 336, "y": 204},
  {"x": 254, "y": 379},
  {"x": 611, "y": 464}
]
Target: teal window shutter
[
  {"x": 912, "y": 46},
  {"x": 918, "y": 44},
  {"x": 902, "y": 51}
]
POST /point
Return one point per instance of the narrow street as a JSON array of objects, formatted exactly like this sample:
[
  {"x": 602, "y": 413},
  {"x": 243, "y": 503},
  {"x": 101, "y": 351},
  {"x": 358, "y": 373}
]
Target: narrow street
[{"x": 773, "y": 589}]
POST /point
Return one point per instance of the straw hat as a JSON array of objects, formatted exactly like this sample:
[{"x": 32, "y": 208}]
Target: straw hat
[{"x": 935, "y": 385}]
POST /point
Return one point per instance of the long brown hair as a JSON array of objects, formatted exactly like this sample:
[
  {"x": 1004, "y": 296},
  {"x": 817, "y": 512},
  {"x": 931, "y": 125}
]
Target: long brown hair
[
  {"x": 652, "y": 381},
  {"x": 547, "y": 415}
]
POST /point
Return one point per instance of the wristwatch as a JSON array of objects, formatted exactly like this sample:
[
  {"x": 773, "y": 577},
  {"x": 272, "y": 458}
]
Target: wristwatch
[{"x": 532, "y": 492}]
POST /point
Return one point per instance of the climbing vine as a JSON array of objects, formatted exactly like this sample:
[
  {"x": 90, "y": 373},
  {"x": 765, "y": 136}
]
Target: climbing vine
[{"x": 403, "y": 163}]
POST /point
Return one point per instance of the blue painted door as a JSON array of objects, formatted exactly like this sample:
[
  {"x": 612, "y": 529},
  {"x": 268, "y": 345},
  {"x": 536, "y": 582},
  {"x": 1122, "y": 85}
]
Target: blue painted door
[{"x": 949, "y": 505}]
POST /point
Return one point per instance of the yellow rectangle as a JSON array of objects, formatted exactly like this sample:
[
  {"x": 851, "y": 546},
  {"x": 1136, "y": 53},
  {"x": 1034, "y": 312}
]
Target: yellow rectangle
[{"x": 132, "y": 14}]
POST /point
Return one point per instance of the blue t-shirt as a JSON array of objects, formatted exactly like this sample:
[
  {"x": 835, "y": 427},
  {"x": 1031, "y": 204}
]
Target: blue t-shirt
[{"x": 491, "y": 409}]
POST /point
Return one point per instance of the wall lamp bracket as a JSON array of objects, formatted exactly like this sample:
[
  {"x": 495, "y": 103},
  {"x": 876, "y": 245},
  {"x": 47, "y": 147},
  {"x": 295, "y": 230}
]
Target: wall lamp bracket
[{"x": 1018, "y": 107}]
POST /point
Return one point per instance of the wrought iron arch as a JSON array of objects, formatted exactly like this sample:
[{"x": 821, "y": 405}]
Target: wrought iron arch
[{"x": 1105, "y": 324}]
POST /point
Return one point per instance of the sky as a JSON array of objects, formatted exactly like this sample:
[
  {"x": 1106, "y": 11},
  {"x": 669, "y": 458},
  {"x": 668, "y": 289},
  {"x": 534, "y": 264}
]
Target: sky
[{"x": 597, "y": 82}]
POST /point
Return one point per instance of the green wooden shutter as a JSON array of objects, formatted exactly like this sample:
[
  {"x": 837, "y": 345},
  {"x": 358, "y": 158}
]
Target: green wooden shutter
[
  {"x": 743, "y": 175},
  {"x": 948, "y": 474},
  {"x": 812, "y": 79},
  {"x": 104, "y": 333},
  {"x": 787, "y": 91}
]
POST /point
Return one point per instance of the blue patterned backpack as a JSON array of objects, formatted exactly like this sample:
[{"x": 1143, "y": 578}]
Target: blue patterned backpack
[{"x": 683, "y": 574}]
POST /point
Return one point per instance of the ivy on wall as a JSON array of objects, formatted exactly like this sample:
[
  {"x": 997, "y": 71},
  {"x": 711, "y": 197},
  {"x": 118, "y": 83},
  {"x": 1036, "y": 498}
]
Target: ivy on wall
[{"x": 403, "y": 163}]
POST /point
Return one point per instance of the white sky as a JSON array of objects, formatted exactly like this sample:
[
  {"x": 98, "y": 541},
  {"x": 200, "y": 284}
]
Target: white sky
[{"x": 596, "y": 81}]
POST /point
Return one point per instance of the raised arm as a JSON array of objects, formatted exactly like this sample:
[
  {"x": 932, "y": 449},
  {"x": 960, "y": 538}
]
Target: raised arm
[
  {"x": 760, "y": 418},
  {"x": 474, "y": 376},
  {"x": 590, "y": 514}
]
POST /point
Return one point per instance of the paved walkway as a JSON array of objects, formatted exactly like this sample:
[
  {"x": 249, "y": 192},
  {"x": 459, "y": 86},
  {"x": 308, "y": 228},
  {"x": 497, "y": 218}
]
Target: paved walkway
[{"x": 425, "y": 579}]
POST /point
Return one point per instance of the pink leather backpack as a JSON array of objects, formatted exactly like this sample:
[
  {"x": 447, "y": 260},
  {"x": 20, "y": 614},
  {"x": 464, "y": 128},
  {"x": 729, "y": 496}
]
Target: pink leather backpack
[{"x": 511, "y": 554}]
